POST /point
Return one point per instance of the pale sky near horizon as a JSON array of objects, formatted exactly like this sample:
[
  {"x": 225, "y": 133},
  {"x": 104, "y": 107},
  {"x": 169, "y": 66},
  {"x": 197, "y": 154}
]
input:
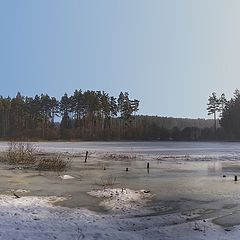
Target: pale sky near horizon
[{"x": 170, "y": 54}]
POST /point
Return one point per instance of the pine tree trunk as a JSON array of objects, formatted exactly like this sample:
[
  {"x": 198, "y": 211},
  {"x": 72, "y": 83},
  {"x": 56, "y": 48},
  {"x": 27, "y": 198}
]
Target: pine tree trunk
[{"x": 215, "y": 124}]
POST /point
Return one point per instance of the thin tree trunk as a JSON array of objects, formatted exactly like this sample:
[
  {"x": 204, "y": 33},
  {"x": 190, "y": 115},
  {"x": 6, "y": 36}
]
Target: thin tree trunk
[{"x": 215, "y": 124}]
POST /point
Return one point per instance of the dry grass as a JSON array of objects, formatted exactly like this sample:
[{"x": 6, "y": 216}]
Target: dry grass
[
  {"x": 108, "y": 181},
  {"x": 27, "y": 156},
  {"x": 164, "y": 157},
  {"x": 120, "y": 156}
]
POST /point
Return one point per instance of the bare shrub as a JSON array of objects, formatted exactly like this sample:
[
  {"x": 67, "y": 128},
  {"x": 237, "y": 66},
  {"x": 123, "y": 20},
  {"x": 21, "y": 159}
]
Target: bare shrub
[
  {"x": 21, "y": 153},
  {"x": 53, "y": 163}
]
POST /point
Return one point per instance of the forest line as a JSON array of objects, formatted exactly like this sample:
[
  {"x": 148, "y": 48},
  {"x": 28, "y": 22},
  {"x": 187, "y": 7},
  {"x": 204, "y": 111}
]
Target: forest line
[{"x": 96, "y": 115}]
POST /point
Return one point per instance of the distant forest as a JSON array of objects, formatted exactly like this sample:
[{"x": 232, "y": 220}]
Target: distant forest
[
  {"x": 181, "y": 123},
  {"x": 94, "y": 115}
]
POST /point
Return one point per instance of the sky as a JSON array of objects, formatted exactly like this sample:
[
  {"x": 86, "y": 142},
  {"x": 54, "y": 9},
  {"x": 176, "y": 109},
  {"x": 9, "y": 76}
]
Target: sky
[{"x": 169, "y": 54}]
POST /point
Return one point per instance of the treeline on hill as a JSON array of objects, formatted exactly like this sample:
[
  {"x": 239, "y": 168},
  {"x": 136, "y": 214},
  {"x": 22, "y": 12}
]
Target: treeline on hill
[
  {"x": 229, "y": 115},
  {"x": 177, "y": 129},
  {"x": 181, "y": 123}
]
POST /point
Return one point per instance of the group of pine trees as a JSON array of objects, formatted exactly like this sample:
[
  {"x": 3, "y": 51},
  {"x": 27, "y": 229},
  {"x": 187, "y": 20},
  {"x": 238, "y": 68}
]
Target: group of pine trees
[
  {"x": 216, "y": 105},
  {"x": 84, "y": 115},
  {"x": 229, "y": 115}
]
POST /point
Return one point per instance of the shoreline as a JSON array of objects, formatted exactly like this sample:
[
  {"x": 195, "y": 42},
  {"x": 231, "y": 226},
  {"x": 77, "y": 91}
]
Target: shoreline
[{"x": 113, "y": 140}]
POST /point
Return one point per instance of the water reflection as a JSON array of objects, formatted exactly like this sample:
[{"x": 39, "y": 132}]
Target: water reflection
[
  {"x": 230, "y": 167},
  {"x": 214, "y": 168}
]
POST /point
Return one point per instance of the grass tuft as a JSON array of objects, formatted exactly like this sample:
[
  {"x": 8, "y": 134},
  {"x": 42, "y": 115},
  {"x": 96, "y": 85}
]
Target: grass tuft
[{"x": 108, "y": 181}]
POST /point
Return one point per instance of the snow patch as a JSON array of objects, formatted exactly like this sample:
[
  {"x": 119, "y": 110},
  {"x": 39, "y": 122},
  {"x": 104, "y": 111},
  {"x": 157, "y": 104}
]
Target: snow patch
[
  {"x": 122, "y": 200},
  {"x": 66, "y": 177},
  {"x": 6, "y": 200}
]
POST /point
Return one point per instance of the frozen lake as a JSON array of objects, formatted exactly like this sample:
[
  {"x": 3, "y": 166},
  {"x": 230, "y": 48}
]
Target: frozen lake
[
  {"x": 146, "y": 148},
  {"x": 177, "y": 170}
]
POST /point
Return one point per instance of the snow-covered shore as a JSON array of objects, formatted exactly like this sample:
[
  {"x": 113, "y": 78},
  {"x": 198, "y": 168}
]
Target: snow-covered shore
[{"x": 37, "y": 218}]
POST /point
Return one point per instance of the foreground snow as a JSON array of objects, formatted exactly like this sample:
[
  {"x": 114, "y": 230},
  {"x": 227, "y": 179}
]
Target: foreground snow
[{"x": 36, "y": 218}]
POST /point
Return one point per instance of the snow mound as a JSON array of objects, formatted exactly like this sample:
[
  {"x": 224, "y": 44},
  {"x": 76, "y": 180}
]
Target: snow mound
[
  {"x": 122, "y": 199},
  {"x": 66, "y": 177}
]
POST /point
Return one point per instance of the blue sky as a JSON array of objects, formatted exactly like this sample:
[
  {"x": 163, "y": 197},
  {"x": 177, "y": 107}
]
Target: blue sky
[{"x": 170, "y": 54}]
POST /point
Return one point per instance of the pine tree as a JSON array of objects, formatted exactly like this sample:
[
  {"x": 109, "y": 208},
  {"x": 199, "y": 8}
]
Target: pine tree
[{"x": 213, "y": 108}]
